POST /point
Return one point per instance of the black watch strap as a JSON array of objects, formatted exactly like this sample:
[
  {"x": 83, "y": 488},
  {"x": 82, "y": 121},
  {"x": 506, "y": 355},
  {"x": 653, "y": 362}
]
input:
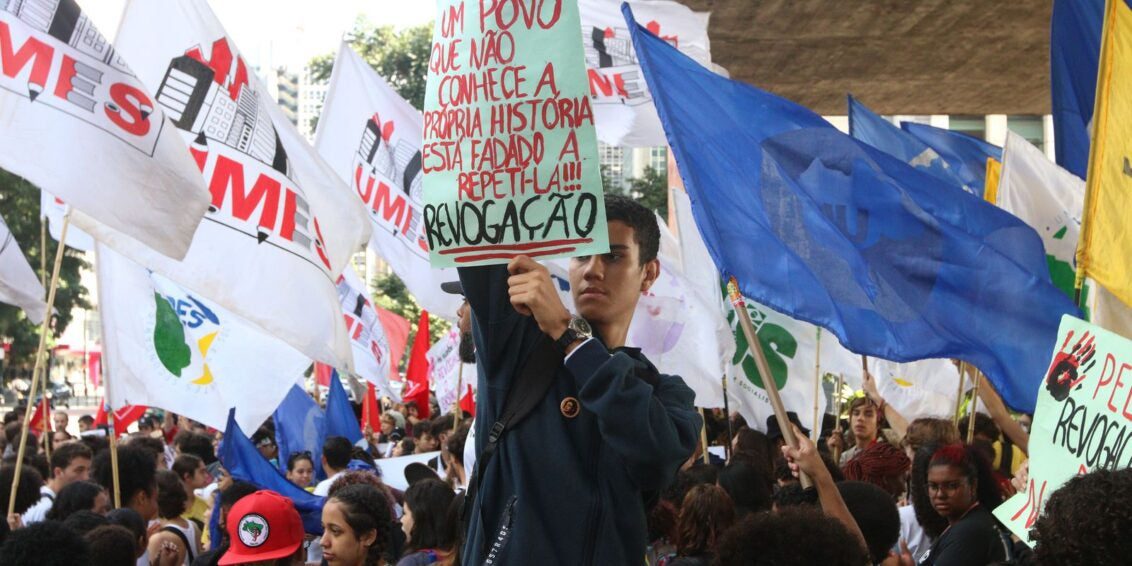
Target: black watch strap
[{"x": 569, "y": 337}]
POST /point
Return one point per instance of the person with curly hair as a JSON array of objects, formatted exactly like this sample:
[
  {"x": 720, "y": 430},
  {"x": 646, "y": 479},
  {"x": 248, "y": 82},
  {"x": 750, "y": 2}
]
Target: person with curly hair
[
  {"x": 707, "y": 511},
  {"x": 882, "y": 465},
  {"x": 962, "y": 490},
  {"x": 1086, "y": 521},
  {"x": 797, "y": 535},
  {"x": 172, "y": 500},
  {"x": 919, "y": 523},
  {"x": 47, "y": 543},
  {"x": 356, "y": 526},
  {"x": 79, "y": 496}
]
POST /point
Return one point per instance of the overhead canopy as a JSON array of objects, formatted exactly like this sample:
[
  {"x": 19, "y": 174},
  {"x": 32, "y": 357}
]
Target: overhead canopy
[{"x": 897, "y": 56}]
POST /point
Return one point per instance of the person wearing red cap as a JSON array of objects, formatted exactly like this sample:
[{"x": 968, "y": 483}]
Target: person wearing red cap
[{"x": 264, "y": 528}]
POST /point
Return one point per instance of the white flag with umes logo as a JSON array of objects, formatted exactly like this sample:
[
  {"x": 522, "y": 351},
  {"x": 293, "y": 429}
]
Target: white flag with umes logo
[
  {"x": 624, "y": 113},
  {"x": 165, "y": 346},
  {"x": 280, "y": 227},
  {"x": 377, "y": 336},
  {"x": 371, "y": 137},
  {"x": 77, "y": 122}
]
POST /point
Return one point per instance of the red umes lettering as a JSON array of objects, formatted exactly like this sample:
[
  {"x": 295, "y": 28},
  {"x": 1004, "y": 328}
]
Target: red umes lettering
[
  {"x": 229, "y": 174},
  {"x": 131, "y": 109},
  {"x": 33, "y": 51}
]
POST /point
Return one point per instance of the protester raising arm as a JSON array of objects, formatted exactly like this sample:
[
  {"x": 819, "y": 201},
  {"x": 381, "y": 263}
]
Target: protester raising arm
[
  {"x": 806, "y": 459},
  {"x": 896, "y": 421}
]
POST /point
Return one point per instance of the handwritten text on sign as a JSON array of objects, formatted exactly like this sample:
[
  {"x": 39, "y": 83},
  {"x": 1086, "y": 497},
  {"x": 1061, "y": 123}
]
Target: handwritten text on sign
[
  {"x": 510, "y": 152},
  {"x": 1083, "y": 418}
]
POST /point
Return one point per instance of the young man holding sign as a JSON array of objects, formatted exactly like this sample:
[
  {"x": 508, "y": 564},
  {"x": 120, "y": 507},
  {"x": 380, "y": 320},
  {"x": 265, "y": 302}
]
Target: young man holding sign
[{"x": 568, "y": 483}]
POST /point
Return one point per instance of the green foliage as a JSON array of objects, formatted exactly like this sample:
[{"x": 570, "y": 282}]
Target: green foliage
[
  {"x": 651, "y": 190},
  {"x": 392, "y": 295},
  {"x": 19, "y": 201},
  {"x": 400, "y": 57}
]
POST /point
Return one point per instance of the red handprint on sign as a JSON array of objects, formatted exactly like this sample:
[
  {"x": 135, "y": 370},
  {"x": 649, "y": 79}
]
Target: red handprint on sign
[{"x": 1068, "y": 368}]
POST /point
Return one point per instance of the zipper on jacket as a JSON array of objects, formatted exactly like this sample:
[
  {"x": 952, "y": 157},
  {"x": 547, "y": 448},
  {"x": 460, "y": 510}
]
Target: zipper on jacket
[{"x": 503, "y": 535}]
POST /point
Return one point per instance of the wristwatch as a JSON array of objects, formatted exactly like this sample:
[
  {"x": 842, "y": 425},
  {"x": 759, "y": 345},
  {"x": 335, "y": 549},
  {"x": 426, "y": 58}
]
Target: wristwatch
[{"x": 578, "y": 329}]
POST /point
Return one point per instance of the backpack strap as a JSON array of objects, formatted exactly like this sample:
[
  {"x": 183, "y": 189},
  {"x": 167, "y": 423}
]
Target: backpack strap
[{"x": 526, "y": 392}]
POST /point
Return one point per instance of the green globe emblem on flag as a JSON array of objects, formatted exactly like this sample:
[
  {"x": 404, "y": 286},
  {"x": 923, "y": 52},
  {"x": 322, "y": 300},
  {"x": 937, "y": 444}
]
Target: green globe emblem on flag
[
  {"x": 777, "y": 342},
  {"x": 183, "y": 335}
]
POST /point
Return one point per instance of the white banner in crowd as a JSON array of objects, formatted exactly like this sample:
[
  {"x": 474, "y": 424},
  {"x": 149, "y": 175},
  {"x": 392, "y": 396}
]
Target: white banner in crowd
[
  {"x": 52, "y": 209},
  {"x": 167, "y": 347},
  {"x": 78, "y": 123},
  {"x": 623, "y": 107},
  {"x": 281, "y": 227},
  {"x": 18, "y": 284},
  {"x": 371, "y": 137},
  {"x": 376, "y": 353},
  {"x": 444, "y": 371}
]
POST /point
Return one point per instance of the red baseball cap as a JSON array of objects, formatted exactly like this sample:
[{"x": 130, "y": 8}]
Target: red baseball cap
[{"x": 262, "y": 526}]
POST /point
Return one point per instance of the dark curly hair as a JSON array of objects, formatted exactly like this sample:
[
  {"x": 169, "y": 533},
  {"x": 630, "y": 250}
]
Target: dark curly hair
[
  {"x": 882, "y": 465},
  {"x": 111, "y": 545},
  {"x": 75, "y": 496},
  {"x": 137, "y": 472},
  {"x": 366, "y": 509},
  {"x": 429, "y": 501},
  {"x": 962, "y": 456},
  {"x": 195, "y": 443},
  {"x": 706, "y": 513},
  {"x": 1086, "y": 521},
  {"x": 28, "y": 492},
  {"x": 172, "y": 499},
  {"x": 875, "y": 513},
  {"x": 47, "y": 543},
  {"x": 798, "y": 535},
  {"x": 748, "y": 485},
  {"x": 642, "y": 220}
]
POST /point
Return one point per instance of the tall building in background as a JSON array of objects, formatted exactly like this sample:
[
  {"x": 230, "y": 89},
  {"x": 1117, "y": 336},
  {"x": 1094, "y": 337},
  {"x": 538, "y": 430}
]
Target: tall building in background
[
  {"x": 283, "y": 85},
  {"x": 312, "y": 93}
]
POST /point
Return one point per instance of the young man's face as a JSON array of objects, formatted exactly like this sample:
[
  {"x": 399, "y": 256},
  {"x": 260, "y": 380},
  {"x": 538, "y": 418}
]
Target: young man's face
[
  {"x": 863, "y": 419},
  {"x": 199, "y": 478},
  {"x": 60, "y": 418},
  {"x": 77, "y": 470},
  {"x": 606, "y": 287}
]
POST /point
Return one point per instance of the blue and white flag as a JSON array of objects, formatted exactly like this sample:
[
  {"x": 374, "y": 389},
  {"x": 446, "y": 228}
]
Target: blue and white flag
[{"x": 827, "y": 229}]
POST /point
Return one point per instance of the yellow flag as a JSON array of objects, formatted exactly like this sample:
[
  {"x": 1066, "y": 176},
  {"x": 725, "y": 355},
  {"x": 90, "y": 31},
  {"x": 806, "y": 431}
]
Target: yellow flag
[
  {"x": 994, "y": 172},
  {"x": 1105, "y": 249}
]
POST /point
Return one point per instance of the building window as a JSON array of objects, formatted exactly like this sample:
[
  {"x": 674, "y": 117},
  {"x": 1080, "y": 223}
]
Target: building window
[
  {"x": 1029, "y": 127},
  {"x": 975, "y": 126}
]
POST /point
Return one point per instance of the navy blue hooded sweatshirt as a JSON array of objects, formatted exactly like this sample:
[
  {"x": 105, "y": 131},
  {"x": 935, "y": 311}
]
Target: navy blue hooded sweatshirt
[{"x": 567, "y": 486}]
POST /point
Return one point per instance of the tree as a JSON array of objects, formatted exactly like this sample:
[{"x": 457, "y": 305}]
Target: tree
[
  {"x": 651, "y": 190},
  {"x": 19, "y": 200},
  {"x": 393, "y": 296},
  {"x": 400, "y": 57}
]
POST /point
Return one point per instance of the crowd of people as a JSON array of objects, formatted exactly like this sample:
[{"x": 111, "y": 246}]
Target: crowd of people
[{"x": 173, "y": 488}]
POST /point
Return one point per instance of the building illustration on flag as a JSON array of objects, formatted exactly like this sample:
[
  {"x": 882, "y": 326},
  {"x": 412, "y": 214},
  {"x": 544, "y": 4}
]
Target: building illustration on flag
[{"x": 385, "y": 158}]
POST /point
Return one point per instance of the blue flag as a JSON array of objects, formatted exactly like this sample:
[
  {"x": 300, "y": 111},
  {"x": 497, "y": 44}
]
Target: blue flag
[
  {"x": 815, "y": 224},
  {"x": 340, "y": 417},
  {"x": 1074, "y": 56},
  {"x": 300, "y": 426},
  {"x": 965, "y": 155},
  {"x": 874, "y": 130},
  {"x": 244, "y": 462}
]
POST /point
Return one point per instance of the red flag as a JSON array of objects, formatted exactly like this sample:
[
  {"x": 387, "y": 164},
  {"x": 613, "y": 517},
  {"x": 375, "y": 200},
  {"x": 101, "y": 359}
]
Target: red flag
[
  {"x": 322, "y": 373},
  {"x": 94, "y": 368},
  {"x": 468, "y": 402},
  {"x": 371, "y": 412},
  {"x": 397, "y": 333},
  {"x": 123, "y": 417},
  {"x": 39, "y": 419},
  {"x": 416, "y": 376}
]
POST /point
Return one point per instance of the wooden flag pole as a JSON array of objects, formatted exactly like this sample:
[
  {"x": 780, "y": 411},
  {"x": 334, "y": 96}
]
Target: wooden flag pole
[
  {"x": 114, "y": 455},
  {"x": 837, "y": 415},
  {"x": 43, "y": 282},
  {"x": 703, "y": 435},
  {"x": 959, "y": 395},
  {"x": 457, "y": 411},
  {"x": 769, "y": 385},
  {"x": 977, "y": 378},
  {"x": 35, "y": 374},
  {"x": 727, "y": 413},
  {"x": 107, "y": 379},
  {"x": 815, "y": 434}
]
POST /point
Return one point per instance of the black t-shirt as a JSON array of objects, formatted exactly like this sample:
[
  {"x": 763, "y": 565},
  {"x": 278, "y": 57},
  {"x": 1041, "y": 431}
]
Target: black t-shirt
[{"x": 974, "y": 539}]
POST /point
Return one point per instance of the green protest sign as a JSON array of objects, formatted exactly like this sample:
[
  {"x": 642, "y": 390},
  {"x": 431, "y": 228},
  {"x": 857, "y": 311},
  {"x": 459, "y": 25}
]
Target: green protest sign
[
  {"x": 510, "y": 153},
  {"x": 1083, "y": 419}
]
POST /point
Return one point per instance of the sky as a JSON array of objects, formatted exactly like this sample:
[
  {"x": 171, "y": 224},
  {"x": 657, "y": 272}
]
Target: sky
[{"x": 285, "y": 33}]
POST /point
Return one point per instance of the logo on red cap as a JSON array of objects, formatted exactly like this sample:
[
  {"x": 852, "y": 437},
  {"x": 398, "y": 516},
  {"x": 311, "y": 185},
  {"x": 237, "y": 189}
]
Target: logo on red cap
[{"x": 253, "y": 530}]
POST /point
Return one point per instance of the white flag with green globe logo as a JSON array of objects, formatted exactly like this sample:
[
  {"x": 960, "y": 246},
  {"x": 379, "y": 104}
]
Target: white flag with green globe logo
[
  {"x": 1051, "y": 200},
  {"x": 166, "y": 347}
]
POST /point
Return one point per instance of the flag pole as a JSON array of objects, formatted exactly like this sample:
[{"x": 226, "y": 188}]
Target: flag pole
[
  {"x": 107, "y": 375},
  {"x": 36, "y": 370},
  {"x": 703, "y": 434},
  {"x": 727, "y": 413},
  {"x": 764, "y": 372},
  {"x": 459, "y": 395},
  {"x": 959, "y": 395},
  {"x": 977, "y": 378},
  {"x": 837, "y": 416},
  {"x": 816, "y": 433},
  {"x": 43, "y": 282}
]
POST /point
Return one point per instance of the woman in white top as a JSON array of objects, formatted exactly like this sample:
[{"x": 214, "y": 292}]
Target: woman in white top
[{"x": 172, "y": 501}]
